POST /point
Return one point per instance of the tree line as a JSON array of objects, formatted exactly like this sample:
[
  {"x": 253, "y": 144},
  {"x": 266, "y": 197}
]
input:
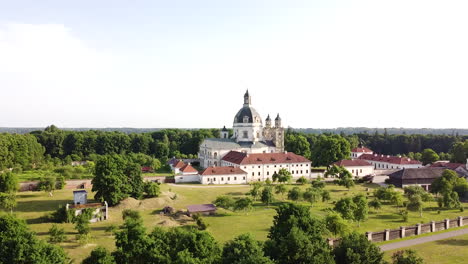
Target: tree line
[
  {"x": 325, "y": 149},
  {"x": 26, "y": 151}
]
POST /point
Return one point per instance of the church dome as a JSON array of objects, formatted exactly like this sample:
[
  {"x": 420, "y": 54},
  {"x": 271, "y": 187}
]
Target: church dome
[{"x": 247, "y": 114}]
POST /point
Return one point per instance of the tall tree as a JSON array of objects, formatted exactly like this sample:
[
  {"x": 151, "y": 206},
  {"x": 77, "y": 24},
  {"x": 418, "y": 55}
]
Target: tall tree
[
  {"x": 297, "y": 237},
  {"x": 244, "y": 250},
  {"x": 356, "y": 249},
  {"x": 429, "y": 156},
  {"x": 19, "y": 245},
  {"x": 109, "y": 182},
  {"x": 362, "y": 208},
  {"x": 267, "y": 195},
  {"x": 328, "y": 149}
]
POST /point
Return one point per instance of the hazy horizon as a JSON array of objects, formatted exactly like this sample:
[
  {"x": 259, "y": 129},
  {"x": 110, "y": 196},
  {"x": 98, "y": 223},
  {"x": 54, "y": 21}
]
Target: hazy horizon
[{"x": 186, "y": 64}]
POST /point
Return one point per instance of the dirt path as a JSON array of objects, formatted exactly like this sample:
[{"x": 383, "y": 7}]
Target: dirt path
[
  {"x": 421, "y": 240},
  {"x": 205, "y": 186}
]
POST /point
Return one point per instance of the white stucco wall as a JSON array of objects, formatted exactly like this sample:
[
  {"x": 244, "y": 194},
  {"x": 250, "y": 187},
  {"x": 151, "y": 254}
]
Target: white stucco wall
[
  {"x": 360, "y": 171},
  {"x": 261, "y": 172},
  {"x": 224, "y": 179},
  {"x": 187, "y": 178}
]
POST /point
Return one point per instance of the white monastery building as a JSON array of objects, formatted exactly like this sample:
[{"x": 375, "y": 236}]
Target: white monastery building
[
  {"x": 262, "y": 166},
  {"x": 250, "y": 136},
  {"x": 386, "y": 162},
  {"x": 223, "y": 175},
  {"x": 357, "y": 152},
  {"x": 357, "y": 167}
]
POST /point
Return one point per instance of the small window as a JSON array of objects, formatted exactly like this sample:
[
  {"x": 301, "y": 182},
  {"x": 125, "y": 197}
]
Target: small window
[
  {"x": 246, "y": 119},
  {"x": 307, "y": 171},
  {"x": 258, "y": 173},
  {"x": 281, "y": 165},
  {"x": 222, "y": 178},
  {"x": 259, "y": 167},
  {"x": 229, "y": 178},
  {"x": 268, "y": 173},
  {"x": 253, "y": 173},
  {"x": 292, "y": 172},
  {"x": 245, "y": 167},
  {"x": 235, "y": 178},
  {"x": 243, "y": 178},
  {"x": 275, "y": 166},
  {"x": 301, "y": 171},
  {"x": 245, "y": 134}
]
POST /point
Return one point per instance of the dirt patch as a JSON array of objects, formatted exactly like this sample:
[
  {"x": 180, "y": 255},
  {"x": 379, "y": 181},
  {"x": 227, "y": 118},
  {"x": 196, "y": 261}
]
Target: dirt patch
[
  {"x": 151, "y": 203},
  {"x": 129, "y": 203},
  {"x": 168, "y": 223}
]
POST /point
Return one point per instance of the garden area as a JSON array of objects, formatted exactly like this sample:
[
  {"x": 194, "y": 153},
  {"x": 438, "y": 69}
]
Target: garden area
[{"x": 255, "y": 217}]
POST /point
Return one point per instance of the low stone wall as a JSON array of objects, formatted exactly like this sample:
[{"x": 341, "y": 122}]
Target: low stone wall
[
  {"x": 83, "y": 184},
  {"x": 69, "y": 184},
  {"x": 418, "y": 229}
]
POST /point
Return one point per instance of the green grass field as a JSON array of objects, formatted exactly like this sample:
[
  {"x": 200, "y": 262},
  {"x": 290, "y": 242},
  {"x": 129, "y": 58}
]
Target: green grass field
[
  {"x": 448, "y": 251},
  {"x": 223, "y": 226}
]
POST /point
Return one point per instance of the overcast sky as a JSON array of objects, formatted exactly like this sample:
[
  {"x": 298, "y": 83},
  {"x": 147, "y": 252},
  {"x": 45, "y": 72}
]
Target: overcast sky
[{"x": 187, "y": 64}]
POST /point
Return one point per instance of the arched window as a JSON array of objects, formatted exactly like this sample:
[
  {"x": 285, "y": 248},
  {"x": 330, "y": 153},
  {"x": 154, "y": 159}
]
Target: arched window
[
  {"x": 216, "y": 163},
  {"x": 216, "y": 155},
  {"x": 246, "y": 119}
]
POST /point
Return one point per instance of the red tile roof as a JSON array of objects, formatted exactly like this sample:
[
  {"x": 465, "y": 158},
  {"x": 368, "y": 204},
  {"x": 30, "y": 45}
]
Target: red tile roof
[
  {"x": 363, "y": 149},
  {"x": 222, "y": 171},
  {"x": 448, "y": 165},
  {"x": 188, "y": 168},
  {"x": 179, "y": 164},
  {"x": 352, "y": 163},
  {"x": 388, "y": 159},
  {"x": 263, "y": 158}
]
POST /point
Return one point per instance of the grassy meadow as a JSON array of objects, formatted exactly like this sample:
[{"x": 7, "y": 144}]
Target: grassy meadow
[
  {"x": 447, "y": 251},
  {"x": 32, "y": 206}
]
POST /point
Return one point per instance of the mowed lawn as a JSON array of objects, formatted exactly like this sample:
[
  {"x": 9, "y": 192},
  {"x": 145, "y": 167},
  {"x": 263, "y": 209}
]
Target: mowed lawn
[
  {"x": 448, "y": 251},
  {"x": 224, "y": 226}
]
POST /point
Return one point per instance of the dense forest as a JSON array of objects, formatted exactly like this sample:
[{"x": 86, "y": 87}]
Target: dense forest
[
  {"x": 339, "y": 130},
  {"x": 28, "y": 150}
]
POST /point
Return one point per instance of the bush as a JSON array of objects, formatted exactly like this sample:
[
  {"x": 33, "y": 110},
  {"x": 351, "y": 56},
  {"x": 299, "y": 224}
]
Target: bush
[
  {"x": 224, "y": 201},
  {"x": 83, "y": 239},
  {"x": 62, "y": 215},
  {"x": 201, "y": 223},
  {"x": 60, "y": 183},
  {"x": 111, "y": 229},
  {"x": 57, "y": 234},
  {"x": 302, "y": 180},
  {"x": 132, "y": 214},
  {"x": 152, "y": 189}
]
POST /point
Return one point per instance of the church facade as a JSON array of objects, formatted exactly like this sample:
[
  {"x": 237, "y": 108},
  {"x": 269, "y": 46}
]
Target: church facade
[{"x": 249, "y": 136}]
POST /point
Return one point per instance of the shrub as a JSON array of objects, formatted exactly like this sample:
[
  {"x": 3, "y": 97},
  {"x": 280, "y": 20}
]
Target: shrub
[
  {"x": 62, "y": 215},
  {"x": 57, "y": 234},
  {"x": 111, "y": 229},
  {"x": 302, "y": 180},
  {"x": 224, "y": 201},
  {"x": 201, "y": 224},
  {"x": 132, "y": 214},
  {"x": 152, "y": 189}
]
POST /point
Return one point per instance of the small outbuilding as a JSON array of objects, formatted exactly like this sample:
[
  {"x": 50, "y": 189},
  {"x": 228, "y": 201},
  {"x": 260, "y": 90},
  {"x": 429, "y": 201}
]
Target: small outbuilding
[
  {"x": 80, "y": 197},
  {"x": 421, "y": 176},
  {"x": 205, "y": 209}
]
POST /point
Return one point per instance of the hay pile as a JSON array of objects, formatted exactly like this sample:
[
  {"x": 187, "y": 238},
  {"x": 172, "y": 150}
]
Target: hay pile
[
  {"x": 168, "y": 223},
  {"x": 129, "y": 203},
  {"x": 151, "y": 203}
]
